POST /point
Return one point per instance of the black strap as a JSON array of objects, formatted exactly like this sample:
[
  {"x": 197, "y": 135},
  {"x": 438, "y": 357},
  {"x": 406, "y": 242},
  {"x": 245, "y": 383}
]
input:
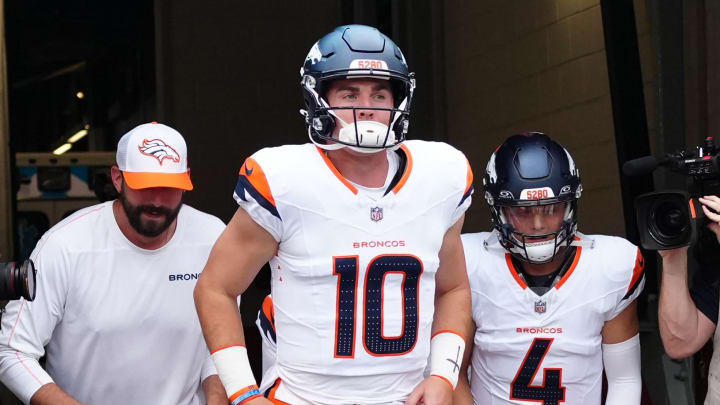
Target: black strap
[{"x": 400, "y": 171}]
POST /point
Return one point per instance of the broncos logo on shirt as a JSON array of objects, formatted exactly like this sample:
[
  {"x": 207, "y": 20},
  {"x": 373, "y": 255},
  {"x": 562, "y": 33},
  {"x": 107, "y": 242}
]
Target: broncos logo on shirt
[{"x": 158, "y": 149}]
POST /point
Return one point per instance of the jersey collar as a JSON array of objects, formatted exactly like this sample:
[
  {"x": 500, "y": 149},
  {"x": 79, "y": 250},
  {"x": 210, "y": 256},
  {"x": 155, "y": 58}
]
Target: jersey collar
[{"x": 398, "y": 181}]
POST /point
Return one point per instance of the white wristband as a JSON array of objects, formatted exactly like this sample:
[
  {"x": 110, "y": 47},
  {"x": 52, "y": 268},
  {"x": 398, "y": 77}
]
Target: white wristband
[
  {"x": 446, "y": 354},
  {"x": 233, "y": 368}
]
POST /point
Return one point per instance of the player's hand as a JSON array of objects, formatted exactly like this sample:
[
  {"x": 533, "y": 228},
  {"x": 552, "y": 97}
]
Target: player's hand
[
  {"x": 712, "y": 202},
  {"x": 674, "y": 260},
  {"x": 432, "y": 391}
]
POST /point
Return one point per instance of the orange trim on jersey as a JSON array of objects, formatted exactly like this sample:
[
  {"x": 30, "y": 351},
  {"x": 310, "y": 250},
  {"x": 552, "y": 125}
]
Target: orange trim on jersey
[
  {"x": 225, "y": 347},
  {"x": 444, "y": 379},
  {"x": 269, "y": 311},
  {"x": 256, "y": 177},
  {"x": 447, "y": 331},
  {"x": 408, "y": 169},
  {"x": 511, "y": 267},
  {"x": 571, "y": 269},
  {"x": 335, "y": 171},
  {"x": 382, "y": 303},
  {"x": 637, "y": 270},
  {"x": 272, "y": 392},
  {"x": 692, "y": 208},
  {"x": 469, "y": 180}
]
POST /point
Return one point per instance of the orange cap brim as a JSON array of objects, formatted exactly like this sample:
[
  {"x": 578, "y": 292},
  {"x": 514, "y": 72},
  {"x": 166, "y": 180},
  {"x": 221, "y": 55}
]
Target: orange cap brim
[{"x": 137, "y": 180}]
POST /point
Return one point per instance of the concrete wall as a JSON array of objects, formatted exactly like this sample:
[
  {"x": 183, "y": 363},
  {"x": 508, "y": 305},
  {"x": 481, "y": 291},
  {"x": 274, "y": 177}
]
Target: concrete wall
[
  {"x": 228, "y": 80},
  {"x": 537, "y": 65}
]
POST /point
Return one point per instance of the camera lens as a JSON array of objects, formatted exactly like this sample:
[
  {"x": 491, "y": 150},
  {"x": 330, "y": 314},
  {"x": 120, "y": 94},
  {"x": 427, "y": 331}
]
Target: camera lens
[
  {"x": 17, "y": 280},
  {"x": 668, "y": 221}
]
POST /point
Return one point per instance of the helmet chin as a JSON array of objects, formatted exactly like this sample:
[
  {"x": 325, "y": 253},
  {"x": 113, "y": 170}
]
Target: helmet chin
[
  {"x": 370, "y": 135},
  {"x": 365, "y": 136},
  {"x": 540, "y": 252}
]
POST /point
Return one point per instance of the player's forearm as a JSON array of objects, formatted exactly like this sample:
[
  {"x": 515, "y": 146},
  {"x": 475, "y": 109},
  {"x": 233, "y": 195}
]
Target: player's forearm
[
  {"x": 219, "y": 316},
  {"x": 51, "y": 394},
  {"x": 214, "y": 391},
  {"x": 452, "y": 309},
  {"x": 678, "y": 318}
]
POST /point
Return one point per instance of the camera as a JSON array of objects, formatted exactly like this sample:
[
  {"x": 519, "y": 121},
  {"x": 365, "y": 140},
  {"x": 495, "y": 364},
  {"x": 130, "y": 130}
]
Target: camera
[
  {"x": 670, "y": 219},
  {"x": 17, "y": 280}
]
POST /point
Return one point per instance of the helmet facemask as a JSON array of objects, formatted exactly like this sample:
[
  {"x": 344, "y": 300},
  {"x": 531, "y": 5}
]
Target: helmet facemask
[
  {"x": 540, "y": 246},
  {"x": 365, "y": 136}
]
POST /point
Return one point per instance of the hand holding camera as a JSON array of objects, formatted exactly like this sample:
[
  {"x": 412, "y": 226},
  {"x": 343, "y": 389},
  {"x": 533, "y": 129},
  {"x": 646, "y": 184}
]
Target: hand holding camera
[
  {"x": 713, "y": 202},
  {"x": 670, "y": 219}
]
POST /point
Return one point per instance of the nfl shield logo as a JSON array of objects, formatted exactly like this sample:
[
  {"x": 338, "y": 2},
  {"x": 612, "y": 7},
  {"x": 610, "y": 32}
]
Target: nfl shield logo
[
  {"x": 540, "y": 306},
  {"x": 376, "y": 214}
]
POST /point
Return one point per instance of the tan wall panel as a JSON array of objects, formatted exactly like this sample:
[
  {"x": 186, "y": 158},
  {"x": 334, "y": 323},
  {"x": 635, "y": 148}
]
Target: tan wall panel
[{"x": 538, "y": 65}]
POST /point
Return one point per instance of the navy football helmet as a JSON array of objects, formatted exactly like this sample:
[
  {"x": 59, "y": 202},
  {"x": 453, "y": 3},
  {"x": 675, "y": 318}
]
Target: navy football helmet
[
  {"x": 355, "y": 51},
  {"x": 530, "y": 176}
]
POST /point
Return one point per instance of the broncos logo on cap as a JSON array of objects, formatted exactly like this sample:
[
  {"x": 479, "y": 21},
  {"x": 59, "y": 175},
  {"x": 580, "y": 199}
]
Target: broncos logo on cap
[{"x": 158, "y": 149}]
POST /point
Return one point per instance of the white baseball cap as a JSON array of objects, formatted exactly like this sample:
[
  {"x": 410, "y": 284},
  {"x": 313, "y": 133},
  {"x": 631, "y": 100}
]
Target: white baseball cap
[{"x": 153, "y": 155}]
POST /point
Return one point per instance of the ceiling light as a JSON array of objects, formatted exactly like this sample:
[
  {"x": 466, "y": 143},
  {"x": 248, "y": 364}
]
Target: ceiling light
[
  {"x": 62, "y": 149},
  {"x": 78, "y": 136}
]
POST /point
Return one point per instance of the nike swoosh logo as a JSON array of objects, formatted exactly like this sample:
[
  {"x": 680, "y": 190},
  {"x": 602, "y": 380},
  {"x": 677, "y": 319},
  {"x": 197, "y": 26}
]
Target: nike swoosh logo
[{"x": 248, "y": 170}]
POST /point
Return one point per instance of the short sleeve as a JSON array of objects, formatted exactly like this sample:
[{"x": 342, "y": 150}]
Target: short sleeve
[
  {"x": 466, "y": 198},
  {"x": 635, "y": 285},
  {"x": 705, "y": 291},
  {"x": 254, "y": 195}
]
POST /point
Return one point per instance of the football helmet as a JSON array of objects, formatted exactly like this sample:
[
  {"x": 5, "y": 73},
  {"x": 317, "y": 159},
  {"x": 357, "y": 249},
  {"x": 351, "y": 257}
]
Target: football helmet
[
  {"x": 355, "y": 51},
  {"x": 532, "y": 187}
]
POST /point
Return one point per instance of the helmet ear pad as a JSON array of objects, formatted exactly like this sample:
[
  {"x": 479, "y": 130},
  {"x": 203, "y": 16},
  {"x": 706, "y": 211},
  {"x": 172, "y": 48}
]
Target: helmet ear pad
[{"x": 319, "y": 120}]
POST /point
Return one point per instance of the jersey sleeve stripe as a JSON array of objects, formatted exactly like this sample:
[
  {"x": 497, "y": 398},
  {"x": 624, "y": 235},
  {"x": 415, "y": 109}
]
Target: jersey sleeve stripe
[
  {"x": 467, "y": 194},
  {"x": 408, "y": 169},
  {"x": 255, "y": 175},
  {"x": 244, "y": 185},
  {"x": 469, "y": 180},
  {"x": 270, "y": 393},
  {"x": 468, "y": 184},
  {"x": 267, "y": 318},
  {"x": 638, "y": 274}
]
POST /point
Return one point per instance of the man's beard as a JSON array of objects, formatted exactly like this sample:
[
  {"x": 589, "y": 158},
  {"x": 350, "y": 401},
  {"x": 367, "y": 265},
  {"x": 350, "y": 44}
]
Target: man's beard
[{"x": 150, "y": 229}]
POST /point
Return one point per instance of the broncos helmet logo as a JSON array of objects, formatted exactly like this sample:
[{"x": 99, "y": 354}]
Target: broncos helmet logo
[{"x": 158, "y": 149}]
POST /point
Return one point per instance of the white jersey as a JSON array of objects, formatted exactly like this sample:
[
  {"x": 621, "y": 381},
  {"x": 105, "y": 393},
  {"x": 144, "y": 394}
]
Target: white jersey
[
  {"x": 531, "y": 348},
  {"x": 353, "y": 281},
  {"x": 116, "y": 322}
]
